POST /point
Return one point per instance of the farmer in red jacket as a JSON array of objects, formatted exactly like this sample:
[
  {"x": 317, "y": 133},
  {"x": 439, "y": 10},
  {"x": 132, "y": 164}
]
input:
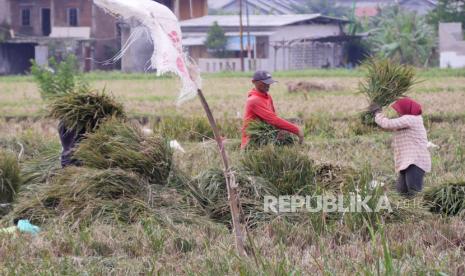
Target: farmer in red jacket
[{"x": 259, "y": 106}]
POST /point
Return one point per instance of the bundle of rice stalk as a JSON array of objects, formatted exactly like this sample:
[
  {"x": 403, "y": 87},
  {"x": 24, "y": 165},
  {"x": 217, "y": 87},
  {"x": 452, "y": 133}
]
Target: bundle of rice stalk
[
  {"x": 448, "y": 198},
  {"x": 288, "y": 169},
  {"x": 117, "y": 144},
  {"x": 41, "y": 167},
  {"x": 85, "y": 110},
  {"x": 81, "y": 195},
  {"x": 386, "y": 82},
  {"x": 10, "y": 179},
  {"x": 335, "y": 177},
  {"x": 261, "y": 134},
  {"x": 209, "y": 191},
  {"x": 405, "y": 209}
]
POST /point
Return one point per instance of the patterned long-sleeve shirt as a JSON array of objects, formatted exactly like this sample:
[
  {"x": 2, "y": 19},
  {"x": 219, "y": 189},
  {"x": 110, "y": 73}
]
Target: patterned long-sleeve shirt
[{"x": 410, "y": 141}]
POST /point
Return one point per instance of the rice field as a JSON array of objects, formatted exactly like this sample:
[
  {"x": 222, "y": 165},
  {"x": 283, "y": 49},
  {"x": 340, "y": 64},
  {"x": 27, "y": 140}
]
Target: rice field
[{"x": 425, "y": 243}]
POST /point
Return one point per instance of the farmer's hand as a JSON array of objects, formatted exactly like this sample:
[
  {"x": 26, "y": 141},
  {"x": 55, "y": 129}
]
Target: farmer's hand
[
  {"x": 301, "y": 136},
  {"x": 374, "y": 108}
]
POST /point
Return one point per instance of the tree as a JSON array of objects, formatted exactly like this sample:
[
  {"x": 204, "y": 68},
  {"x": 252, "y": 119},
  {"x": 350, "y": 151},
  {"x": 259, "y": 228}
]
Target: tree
[
  {"x": 325, "y": 7},
  {"x": 402, "y": 35},
  {"x": 216, "y": 40},
  {"x": 447, "y": 11}
]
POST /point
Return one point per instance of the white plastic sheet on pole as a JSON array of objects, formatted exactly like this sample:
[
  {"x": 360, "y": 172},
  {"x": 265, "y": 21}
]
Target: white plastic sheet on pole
[{"x": 164, "y": 29}]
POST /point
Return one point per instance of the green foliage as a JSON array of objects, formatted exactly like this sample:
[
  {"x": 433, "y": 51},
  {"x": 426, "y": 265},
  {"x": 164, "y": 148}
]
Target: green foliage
[
  {"x": 59, "y": 79},
  {"x": 194, "y": 128},
  {"x": 10, "y": 179},
  {"x": 262, "y": 134},
  {"x": 184, "y": 128},
  {"x": 402, "y": 35},
  {"x": 216, "y": 40},
  {"x": 122, "y": 145},
  {"x": 85, "y": 110},
  {"x": 447, "y": 11}
]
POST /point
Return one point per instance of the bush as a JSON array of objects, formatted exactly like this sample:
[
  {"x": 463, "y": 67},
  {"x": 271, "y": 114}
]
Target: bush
[{"x": 59, "y": 79}]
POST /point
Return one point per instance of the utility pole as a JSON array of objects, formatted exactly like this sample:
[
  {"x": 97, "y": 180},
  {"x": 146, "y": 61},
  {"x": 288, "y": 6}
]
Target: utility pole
[
  {"x": 241, "y": 27},
  {"x": 249, "y": 45}
]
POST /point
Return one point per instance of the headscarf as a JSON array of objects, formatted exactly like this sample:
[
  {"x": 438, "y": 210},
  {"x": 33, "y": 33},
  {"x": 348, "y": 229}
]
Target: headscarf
[{"x": 407, "y": 106}]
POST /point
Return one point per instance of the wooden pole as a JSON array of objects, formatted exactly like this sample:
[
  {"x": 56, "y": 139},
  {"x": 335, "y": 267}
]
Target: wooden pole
[{"x": 231, "y": 185}]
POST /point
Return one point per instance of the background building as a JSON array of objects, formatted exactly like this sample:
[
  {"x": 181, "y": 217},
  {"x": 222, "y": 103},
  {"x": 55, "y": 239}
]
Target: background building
[
  {"x": 38, "y": 29},
  {"x": 277, "y": 42},
  {"x": 451, "y": 45}
]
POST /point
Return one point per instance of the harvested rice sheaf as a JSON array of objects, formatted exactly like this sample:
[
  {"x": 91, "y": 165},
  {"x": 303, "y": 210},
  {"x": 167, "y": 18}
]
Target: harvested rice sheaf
[
  {"x": 209, "y": 191},
  {"x": 10, "y": 179},
  {"x": 287, "y": 168},
  {"x": 335, "y": 177},
  {"x": 262, "y": 134},
  {"x": 85, "y": 110},
  {"x": 448, "y": 198},
  {"x": 81, "y": 196},
  {"x": 42, "y": 166},
  {"x": 386, "y": 81},
  {"x": 122, "y": 145}
]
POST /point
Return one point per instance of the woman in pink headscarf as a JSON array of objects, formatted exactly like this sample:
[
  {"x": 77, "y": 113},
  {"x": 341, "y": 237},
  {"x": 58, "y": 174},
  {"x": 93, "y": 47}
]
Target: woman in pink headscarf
[{"x": 411, "y": 155}]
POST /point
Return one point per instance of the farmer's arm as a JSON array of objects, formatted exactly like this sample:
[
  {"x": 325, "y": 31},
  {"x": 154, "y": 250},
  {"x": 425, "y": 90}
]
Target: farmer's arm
[
  {"x": 271, "y": 118},
  {"x": 392, "y": 124}
]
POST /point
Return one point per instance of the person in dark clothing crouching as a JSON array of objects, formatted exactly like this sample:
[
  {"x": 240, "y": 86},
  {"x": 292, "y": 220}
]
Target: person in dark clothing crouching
[{"x": 69, "y": 139}]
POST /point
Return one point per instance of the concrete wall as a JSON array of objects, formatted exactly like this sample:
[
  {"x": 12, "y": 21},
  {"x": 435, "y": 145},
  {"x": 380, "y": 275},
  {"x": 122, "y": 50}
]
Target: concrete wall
[
  {"x": 4, "y": 11},
  {"x": 281, "y": 58},
  {"x": 137, "y": 57},
  {"x": 231, "y": 64},
  {"x": 315, "y": 55},
  {"x": 36, "y": 7},
  {"x": 107, "y": 39},
  {"x": 305, "y": 31},
  {"x": 60, "y": 12},
  {"x": 451, "y": 45},
  {"x": 183, "y": 10}
]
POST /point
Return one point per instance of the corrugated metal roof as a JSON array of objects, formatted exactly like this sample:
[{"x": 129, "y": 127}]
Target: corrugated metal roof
[
  {"x": 194, "y": 41},
  {"x": 255, "y": 20},
  {"x": 218, "y": 4}
]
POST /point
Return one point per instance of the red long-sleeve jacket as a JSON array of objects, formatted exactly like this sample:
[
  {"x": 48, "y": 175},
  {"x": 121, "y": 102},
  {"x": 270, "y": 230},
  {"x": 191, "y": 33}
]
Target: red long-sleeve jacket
[{"x": 260, "y": 106}]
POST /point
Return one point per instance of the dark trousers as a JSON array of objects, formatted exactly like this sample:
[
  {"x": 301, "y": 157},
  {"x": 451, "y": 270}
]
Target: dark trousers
[
  {"x": 410, "y": 181},
  {"x": 69, "y": 140}
]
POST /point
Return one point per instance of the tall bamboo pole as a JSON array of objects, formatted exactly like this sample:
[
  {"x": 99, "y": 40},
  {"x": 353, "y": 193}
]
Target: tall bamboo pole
[{"x": 231, "y": 185}]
